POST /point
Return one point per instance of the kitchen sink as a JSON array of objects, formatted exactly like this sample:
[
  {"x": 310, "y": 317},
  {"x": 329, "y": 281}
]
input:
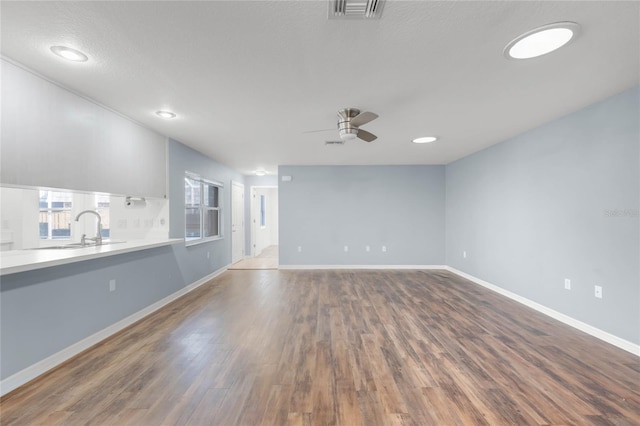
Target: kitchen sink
[{"x": 76, "y": 246}]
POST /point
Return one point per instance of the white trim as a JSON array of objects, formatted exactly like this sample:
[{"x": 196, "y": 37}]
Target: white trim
[
  {"x": 362, "y": 267},
  {"x": 238, "y": 186},
  {"x": 26, "y": 375},
  {"x": 589, "y": 329}
]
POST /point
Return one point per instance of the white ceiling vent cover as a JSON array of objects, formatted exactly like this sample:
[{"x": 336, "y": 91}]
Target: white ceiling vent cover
[
  {"x": 334, "y": 142},
  {"x": 355, "y": 9}
]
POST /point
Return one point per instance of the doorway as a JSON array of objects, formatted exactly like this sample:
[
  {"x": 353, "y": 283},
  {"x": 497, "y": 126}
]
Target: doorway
[
  {"x": 264, "y": 219},
  {"x": 263, "y": 252},
  {"x": 237, "y": 222}
]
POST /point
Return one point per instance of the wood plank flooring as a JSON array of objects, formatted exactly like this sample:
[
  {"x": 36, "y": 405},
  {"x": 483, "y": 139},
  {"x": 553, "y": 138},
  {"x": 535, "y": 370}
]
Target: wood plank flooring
[
  {"x": 268, "y": 259},
  {"x": 339, "y": 347}
]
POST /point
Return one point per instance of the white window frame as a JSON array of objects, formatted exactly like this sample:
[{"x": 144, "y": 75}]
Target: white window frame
[{"x": 203, "y": 209}]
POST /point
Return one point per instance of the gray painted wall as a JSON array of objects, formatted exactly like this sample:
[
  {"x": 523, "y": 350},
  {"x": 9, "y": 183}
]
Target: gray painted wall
[
  {"x": 325, "y": 208},
  {"x": 536, "y": 209},
  {"x": 47, "y": 310},
  {"x": 181, "y": 159}
]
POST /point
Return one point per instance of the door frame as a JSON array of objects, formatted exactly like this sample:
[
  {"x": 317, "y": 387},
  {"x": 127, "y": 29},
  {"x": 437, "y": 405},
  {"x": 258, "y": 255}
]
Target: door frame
[
  {"x": 237, "y": 186},
  {"x": 253, "y": 217}
]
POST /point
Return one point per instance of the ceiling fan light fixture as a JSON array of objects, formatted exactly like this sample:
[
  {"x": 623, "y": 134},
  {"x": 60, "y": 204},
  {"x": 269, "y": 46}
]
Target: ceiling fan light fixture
[
  {"x": 348, "y": 134},
  {"x": 542, "y": 40},
  {"x": 425, "y": 139},
  {"x": 69, "y": 54}
]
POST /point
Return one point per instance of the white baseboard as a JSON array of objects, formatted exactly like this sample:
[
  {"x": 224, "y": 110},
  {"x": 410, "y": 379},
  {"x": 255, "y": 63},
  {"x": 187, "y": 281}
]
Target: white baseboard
[
  {"x": 589, "y": 329},
  {"x": 26, "y": 375},
  {"x": 362, "y": 267}
]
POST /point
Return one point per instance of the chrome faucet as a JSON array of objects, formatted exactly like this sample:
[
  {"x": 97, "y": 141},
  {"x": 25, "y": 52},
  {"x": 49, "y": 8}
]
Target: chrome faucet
[{"x": 98, "y": 237}]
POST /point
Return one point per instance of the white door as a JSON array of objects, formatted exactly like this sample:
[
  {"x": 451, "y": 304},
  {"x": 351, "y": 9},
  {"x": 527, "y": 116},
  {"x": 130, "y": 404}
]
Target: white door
[{"x": 237, "y": 222}]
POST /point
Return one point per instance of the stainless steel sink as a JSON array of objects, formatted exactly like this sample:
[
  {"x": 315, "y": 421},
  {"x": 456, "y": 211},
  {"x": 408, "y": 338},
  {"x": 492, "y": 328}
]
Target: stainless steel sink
[{"x": 77, "y": 246}]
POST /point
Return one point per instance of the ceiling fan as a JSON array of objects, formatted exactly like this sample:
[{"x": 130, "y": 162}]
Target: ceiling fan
[{"x": 349, "y": 122}]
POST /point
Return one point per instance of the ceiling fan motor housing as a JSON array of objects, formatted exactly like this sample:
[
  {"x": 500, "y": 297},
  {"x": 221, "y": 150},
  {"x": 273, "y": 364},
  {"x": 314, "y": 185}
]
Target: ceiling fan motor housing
[{"x": 346, "y": 129}]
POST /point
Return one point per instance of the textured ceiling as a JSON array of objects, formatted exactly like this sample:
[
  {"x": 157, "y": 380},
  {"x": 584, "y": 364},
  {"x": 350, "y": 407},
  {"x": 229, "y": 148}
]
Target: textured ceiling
[{"x": 248, "y": 78}]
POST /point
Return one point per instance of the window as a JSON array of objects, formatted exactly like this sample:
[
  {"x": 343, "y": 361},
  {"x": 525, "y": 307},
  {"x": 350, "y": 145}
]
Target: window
[
  {"x": 263, "y": 213},
  {"x": 58, "y": 209},
  {"x": 55, "y": 215},
  {"x": 102, "y": 207},
  {"x": 202, "y": 209}
]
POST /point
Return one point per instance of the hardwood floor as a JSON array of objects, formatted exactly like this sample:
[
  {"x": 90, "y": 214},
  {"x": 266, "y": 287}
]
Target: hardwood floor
[
  {"x": 339, "y": 347},
  {"x": 268, "y": 259}
]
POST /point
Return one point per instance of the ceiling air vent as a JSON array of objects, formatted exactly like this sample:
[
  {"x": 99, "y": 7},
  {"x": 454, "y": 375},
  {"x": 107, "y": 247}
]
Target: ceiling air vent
[
  {"x": 355, "y": 9},
  {"x": 334, "y": 142}
]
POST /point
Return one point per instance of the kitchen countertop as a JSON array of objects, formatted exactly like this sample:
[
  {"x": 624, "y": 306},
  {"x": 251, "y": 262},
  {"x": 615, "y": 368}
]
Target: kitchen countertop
[{"x": 15, "y": 261}]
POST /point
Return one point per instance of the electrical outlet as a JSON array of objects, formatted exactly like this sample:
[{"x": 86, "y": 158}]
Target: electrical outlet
[
  {"x": 208, "y": 255},
  {"x": 464, "y": 254},
  {"x": 299, "y": 249},
  {"x": 346, "y": 249},
  {"x": 598, "y": 292},
  {"x": 367, "y": 248},
  {"x": 112, "y": 285},
  {"x": 136, "y": 223},
  {"x": 384, "y": 249},
  {"x": 567, "y": 284},
  {"x": 122, "y": 224}
]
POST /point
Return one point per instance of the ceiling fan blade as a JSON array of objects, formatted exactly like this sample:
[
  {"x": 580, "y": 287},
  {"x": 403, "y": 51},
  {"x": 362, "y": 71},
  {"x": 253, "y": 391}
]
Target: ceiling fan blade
[
  {"x": 366, "y": 136},
  {"x": 323, "y": 130},
  {"x": 363, "y": 118}
]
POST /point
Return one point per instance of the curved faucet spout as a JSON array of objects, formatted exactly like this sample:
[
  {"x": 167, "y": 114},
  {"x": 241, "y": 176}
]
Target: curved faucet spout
[
  {"x": 89, "y": 211},
  {"x": 98, "y": 237}
]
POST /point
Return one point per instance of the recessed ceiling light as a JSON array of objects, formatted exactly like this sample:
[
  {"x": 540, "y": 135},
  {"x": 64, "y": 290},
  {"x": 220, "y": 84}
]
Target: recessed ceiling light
[
  {"x": 426, "y": 139},
  {"x": 165, "y": 114},
  {"x": 542, "y": 40},
  {"x": 69, "y": 53},
  {"x": 260, "y": 172}
]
